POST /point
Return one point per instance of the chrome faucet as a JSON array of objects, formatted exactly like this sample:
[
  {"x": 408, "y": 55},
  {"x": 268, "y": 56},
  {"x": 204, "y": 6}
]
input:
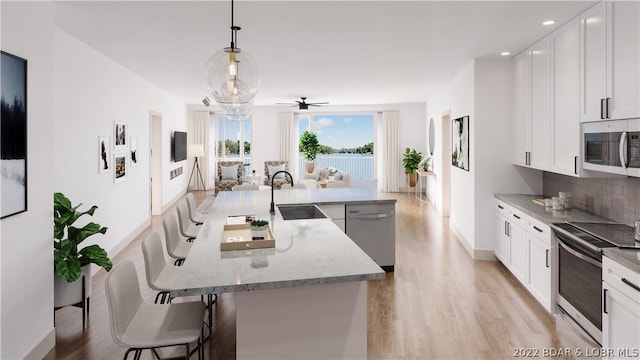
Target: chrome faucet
[{"x": 272, "y": 209}]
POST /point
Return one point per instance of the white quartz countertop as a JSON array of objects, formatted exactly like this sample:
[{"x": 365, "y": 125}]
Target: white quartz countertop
[
  {"x": 307, "y": 252},
  {"x": 524, "y": 203}
]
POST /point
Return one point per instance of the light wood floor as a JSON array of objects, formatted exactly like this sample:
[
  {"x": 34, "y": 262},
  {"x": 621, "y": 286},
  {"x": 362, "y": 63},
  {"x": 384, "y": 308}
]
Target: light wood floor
[{"x": 439, "y": 303}]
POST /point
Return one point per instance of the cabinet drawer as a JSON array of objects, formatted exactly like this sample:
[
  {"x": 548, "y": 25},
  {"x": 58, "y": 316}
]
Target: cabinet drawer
[
  {"x": 539, "y": 229},
  {"x": 517, "y": 217},
  {"x": 333, "y": 211},
  {"x": 501, "y": 208},
  {"x": 621, "y": 278}
]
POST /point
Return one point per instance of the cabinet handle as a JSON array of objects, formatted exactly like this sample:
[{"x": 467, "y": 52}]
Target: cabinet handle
[
  {"x": 604, "y": 301},
  {"x": 606, "y": 111},
  {"x": 505, "y": 228},
  {"x": 508, "y": 229},
  {"x": 537, "y": 229},
  {"x": 516, "y": 216},
  {"x": 501, "y": 208},
  {"x": 575, "y": 165},
  {"x": 547, "y": 257},
  {"x": 602, "y": 108},
  {"x": 632, "y": 285}
]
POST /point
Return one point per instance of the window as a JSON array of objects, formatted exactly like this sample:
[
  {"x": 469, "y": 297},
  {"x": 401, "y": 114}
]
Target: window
[
  {"x": 233, "y": 141},
  {"x": 346, "y": 142}
]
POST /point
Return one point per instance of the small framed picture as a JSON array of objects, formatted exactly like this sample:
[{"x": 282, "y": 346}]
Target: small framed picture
[
  {"x": 119, "y": 167},
  {"x": 133, "y": 150},
  {"x": 104, "y": 154},
  {"x": 119, "y": 136}
]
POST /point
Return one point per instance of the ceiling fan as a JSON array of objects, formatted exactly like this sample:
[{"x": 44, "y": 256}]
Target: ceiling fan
[{"x": 304, "y": 105}]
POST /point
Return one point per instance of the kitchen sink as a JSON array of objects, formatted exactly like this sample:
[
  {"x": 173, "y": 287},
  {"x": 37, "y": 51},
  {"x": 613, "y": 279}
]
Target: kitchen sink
[{"x": 300, "y": 212}]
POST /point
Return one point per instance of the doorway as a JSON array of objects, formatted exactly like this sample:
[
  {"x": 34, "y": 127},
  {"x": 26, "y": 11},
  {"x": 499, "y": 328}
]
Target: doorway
[
  {"x": 445, "y": 160},
  {"x": 155, "y": 163}
]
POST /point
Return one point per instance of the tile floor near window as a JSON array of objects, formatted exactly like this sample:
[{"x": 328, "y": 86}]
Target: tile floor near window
[{"x": 439, "y": 303}]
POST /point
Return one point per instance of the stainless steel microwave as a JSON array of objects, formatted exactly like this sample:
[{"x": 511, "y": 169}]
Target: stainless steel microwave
[{"x": 612, "y": 146}]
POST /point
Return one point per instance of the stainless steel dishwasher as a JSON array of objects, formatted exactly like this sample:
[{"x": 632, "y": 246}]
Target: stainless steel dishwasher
[{"x": 373, "y": 228}]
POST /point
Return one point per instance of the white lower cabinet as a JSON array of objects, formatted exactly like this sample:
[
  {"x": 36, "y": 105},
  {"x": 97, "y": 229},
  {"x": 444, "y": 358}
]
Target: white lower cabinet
[
  {"x": 524, "y": 247},
  {"x": 539, "y": 251},
  {"x": 519, "y": 256},
  {"x": 620, "y": 310}
]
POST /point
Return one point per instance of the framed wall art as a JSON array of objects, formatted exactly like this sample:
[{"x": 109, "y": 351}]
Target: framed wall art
[
  {"x": 133, "y": 150},
  {"x": 119, "y": 167},
  {"x": 460, "y": 143},
  {"x": 13, "y": 133},
  {"x": 104, "y": 154},
  {"x": 119, "y": 136}
]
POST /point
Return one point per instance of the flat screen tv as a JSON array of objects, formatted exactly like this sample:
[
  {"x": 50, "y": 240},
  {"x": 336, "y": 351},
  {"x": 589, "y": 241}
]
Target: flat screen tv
[{"x": 179, "y": 146}]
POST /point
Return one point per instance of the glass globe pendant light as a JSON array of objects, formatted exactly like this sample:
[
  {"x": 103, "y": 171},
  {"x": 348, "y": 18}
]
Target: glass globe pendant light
[{"x": 233, "y": 76}]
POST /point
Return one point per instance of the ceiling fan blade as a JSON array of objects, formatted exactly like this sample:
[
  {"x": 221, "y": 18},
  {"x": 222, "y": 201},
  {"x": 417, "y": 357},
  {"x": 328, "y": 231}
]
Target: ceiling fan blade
[
  {"x": 286, "y": 104},
  {"x": 318, "y": 103}
]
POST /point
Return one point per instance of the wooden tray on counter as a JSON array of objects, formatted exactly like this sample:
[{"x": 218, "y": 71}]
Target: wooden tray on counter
[{"x": 238, "y": 237}]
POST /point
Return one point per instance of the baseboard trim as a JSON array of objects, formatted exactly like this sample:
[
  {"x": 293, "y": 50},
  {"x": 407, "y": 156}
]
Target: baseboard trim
[
  {"x": 462, "y": 240},
  {"x": 44, "y": 347},
  {"x": 476, "y": 254}
]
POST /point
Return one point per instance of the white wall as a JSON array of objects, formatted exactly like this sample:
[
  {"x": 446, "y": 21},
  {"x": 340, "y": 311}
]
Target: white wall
[
  {"x": 481, "y": 90},
  {"x": 495, "y": 174},
  {"x": 26, "y": 280},
  {"x": 91, "y": 91},
  {"x": 457, "y": 96}
]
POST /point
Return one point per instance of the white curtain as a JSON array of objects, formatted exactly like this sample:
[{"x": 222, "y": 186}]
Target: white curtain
[
  {"x": 201, "y": 136},
  {"x": 289, "y": 142},
  {"x": 389, "y": 159}
]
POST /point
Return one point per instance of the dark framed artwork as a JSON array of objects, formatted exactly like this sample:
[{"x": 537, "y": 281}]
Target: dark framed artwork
[
  {"x": 460, "y": 142},
  {"x": 13, "y": 135},
  {"x": 104, "y": 154},
  {"x": 119, "y": 167}
]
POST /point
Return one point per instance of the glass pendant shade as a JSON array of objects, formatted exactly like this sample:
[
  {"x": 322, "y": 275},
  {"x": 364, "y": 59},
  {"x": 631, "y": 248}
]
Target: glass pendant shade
[
  {"x": 237, "y": 111},
  {"x": 233, "y": 79}
]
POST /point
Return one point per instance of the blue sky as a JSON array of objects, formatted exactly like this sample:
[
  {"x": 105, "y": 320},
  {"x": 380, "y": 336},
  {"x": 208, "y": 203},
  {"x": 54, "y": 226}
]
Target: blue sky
[{"x": 341, "y": 131}]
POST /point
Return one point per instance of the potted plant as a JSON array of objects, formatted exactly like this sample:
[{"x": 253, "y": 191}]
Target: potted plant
[
  {"x": 259, "y": 229},
  {"x": 426, "y": 164},
  {"x": 70, "y": 263},
  {"x": 309, "y": 146},
  {"x": 411, "y": 162}
]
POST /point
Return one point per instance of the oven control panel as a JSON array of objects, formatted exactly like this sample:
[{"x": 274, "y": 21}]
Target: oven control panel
[{"x": 634, "y": 150}]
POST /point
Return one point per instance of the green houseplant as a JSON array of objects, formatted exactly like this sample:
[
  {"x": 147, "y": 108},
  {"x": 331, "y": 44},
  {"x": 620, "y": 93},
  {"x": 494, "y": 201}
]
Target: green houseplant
[
  {"x": 411, "y": 161},
  {"x": 68, "y": 260},
  {"x": 259, "y": 229},
  {"x": 309, "y": 146},
  {"x": 426, "y": 164}
]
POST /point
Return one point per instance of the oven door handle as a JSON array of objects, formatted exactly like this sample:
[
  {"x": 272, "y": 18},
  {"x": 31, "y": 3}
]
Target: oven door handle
[{"x": 579, "y": 255}]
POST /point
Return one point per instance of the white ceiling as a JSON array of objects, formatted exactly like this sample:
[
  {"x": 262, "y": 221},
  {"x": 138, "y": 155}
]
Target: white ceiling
[{"x": 344, "y": 52}]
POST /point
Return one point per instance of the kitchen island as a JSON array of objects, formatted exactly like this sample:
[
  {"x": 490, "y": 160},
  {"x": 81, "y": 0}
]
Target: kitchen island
[{"x": 307, "y": 297}]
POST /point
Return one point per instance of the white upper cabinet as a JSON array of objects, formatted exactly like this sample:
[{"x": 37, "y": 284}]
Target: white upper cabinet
[
  {"x": 610, "y": 61},
  {"x": 521, "y": 117},
  {"x": 565, "y": 120},
  {"x": 623, "y": 59},
  {"x": 540, "y": 104}
]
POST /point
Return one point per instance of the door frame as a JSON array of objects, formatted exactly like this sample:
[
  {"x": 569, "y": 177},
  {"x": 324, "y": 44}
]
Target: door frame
[{"x": 155, "y": 163}]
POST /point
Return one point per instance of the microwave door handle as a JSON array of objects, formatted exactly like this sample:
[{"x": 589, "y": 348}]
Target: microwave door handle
[{"x": 622, "y": 149}]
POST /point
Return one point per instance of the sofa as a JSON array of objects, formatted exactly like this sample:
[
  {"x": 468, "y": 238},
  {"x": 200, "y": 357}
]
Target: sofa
[{"x": 342, "y": 177}]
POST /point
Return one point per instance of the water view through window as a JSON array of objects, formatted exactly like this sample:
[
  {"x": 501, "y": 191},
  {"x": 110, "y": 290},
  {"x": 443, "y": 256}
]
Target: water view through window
[{"x": 346, "y": 142}]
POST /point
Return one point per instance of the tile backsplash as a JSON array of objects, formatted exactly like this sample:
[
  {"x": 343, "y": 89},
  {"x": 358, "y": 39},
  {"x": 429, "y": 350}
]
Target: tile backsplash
[{"x": 615, "y": 199}]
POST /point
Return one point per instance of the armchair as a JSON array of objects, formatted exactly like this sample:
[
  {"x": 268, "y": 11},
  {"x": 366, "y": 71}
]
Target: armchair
[
  {"x": 226, "y": 181},
  {"x": 279, "y": 181}
]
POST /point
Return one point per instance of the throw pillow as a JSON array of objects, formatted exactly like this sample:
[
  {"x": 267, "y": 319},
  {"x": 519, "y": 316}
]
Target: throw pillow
[
  {"x": 337, "y": 176},
  {"x": 274, "y": 169},
  {"x": 321, "y": 175},
  {"x": 229, "y": 172}
]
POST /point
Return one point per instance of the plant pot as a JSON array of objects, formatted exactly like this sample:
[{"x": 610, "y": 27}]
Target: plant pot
[
  {"x": 260, "y": 232},
  {"x": 66, "y": 293},
  {"x": 310, "y": 166},
  {"x": 331, "y": 178},
  {"x": 412, "y": 179}
]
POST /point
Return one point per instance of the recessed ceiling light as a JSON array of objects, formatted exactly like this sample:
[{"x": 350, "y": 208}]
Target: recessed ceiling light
[
  {"x": 505, "y": 53},
  {"x": 548, "y": 22}
]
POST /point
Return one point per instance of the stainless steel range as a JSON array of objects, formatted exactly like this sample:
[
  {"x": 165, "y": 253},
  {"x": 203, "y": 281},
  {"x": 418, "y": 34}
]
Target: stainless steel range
[{"x": 580, "y": 247}]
